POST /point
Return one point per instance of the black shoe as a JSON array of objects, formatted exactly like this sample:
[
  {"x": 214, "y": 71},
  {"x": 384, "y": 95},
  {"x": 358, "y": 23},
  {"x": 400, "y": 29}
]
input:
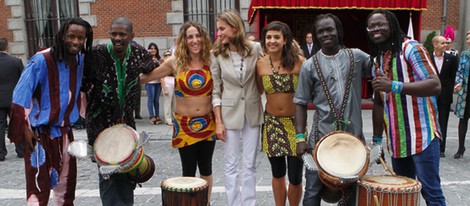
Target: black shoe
[
  {"x": 138, "y": 117},
  {"x": 443, "y": 154},
  {"x": 2, "y": 159},
  {"x": 459, "y": 154}
]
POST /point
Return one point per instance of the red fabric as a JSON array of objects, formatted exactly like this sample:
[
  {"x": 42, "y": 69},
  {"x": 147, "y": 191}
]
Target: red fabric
[{"x": 335, "y": 4}]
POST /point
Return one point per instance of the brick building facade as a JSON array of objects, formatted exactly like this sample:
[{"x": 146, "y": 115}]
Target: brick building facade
[{"x": 159, "y": 20}]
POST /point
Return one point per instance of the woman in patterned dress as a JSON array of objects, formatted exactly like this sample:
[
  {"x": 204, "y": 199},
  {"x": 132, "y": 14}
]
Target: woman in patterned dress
[
  {"x": 462, "y": 109},
  {"x": 278, "y": 73},
  {"x": 193, "y": 119}
]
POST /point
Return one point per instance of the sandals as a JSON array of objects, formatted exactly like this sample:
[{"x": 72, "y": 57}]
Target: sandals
[{"x": 158, "y": 120}]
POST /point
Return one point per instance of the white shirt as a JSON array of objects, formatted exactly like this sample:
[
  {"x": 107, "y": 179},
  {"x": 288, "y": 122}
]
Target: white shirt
[{"x": 439, "y": 61}]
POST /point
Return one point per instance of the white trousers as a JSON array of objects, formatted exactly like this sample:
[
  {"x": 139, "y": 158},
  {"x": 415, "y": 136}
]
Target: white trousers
[
  {"x": 243, "y": 191},
  {"x": 169, "y": 104}
]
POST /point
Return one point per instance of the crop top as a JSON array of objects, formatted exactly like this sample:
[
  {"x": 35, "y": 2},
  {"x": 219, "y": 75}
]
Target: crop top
[
  {"x": 285, "y": 83},
  {"x": 194, "y": 82}
]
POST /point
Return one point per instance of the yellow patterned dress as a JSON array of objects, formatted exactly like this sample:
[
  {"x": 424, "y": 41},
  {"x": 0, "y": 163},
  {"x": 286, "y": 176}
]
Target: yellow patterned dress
[
  {"x": 278, "y": 135},
  {"x": 190, "y": 130}
]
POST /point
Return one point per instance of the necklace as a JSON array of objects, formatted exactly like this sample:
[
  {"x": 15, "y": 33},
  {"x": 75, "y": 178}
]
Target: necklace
[{"x": 272, "y": 66}]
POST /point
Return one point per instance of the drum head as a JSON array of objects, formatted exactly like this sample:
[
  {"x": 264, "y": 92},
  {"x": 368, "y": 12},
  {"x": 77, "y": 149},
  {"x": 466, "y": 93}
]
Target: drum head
[
  {"x": 115, "y": 145},
  {"x": 387, "y": 181},
  {"x": 184, "y": 184},
  {"x": 341, "y": 155}
]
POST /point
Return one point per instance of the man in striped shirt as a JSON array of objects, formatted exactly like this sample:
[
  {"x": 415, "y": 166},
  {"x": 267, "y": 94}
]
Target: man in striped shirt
[{"x": 405, "y": 85}]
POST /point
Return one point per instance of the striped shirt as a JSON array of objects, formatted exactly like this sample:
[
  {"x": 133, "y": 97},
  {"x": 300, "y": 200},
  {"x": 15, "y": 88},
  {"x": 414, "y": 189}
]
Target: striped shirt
[{"x": 410, "y": 122}]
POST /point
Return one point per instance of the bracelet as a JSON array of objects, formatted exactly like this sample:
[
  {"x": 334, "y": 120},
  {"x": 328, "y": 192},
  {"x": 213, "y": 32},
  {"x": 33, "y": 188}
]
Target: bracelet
[
  {"x": 300, "y": 136},
  {"x": 397, "y": 87},
  {"x": 377, "y": 139},
  {"x": 299, "y": 140}
]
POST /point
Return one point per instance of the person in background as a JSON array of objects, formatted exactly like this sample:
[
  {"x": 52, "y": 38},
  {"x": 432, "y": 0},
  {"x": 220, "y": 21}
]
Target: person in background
[
  {"x": 154, "y": 88},
  {"x": 278, "y": 74},
  {"x": 449, "y": 35},
  {"x": 193, "y": 119},
  {"x": 237, "y": 106},
  {"x": 44, "y": 106},
  {"x": 446, "y": 65},
  {"x": 112, "y": 84},
  {"x": 331, "y": 80},
  {"x": 168, "y": 89},
  {"x": 11, "y": 68},
  {"x": 462, "y": 106},
  {"x": 405, "y": 88},
  {"x": 309, "y": 48}
]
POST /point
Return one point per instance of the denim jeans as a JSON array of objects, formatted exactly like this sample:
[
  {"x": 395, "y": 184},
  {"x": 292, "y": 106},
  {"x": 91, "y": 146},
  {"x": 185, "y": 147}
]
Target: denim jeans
[
  {"x": 425, "y": 166},
  {"x": 153, "y": 93},
  {"x": 118, "y": 190}
]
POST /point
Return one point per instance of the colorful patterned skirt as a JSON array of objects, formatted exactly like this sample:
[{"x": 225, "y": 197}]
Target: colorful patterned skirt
[
  {"x": 189, "y": 130},
  {"x": 278, "y": 136}
]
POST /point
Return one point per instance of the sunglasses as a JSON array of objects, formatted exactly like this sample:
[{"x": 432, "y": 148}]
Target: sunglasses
[{"x": 166, "y": 55}]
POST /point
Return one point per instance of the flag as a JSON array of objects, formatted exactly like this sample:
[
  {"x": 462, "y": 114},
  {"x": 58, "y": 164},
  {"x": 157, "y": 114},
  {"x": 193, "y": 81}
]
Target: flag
[{"x": 410, "y": 29}]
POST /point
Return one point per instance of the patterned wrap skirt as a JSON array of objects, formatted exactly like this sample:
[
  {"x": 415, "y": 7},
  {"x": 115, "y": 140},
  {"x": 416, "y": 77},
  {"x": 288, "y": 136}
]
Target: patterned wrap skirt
[
  {"x": 190, "y": 130},
  {"x": 278, "y": 136}
]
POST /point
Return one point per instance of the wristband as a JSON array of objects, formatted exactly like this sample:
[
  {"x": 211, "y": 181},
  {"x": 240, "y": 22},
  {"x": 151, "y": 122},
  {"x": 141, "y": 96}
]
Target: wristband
[
  {"x": 376, "y": 139},
  {"x": 299, "y": 137},
  {"x": 397, "y": 87}
]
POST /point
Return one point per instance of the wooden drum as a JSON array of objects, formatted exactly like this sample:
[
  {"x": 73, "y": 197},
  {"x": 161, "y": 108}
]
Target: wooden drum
[
  {"x": 117, "y": 146},
  {"x": 387, "y": 190},
  {"x": 184, "y": 191}
]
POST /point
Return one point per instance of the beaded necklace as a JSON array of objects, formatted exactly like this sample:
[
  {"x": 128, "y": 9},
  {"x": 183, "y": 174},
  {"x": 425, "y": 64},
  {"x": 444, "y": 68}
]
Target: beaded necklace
[
  {"x": 272, "y": 66},
  {"x": 338, "y": 117}
]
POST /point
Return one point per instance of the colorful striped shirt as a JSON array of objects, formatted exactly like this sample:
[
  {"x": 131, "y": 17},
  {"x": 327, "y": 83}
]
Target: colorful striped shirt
[{"x": 410, "y": 122}]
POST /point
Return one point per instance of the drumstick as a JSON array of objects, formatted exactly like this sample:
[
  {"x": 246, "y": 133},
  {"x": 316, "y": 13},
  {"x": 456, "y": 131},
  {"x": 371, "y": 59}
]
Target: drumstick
[
  {"x": 387, "y": 167},
  {"x": 376, "y": 200}
]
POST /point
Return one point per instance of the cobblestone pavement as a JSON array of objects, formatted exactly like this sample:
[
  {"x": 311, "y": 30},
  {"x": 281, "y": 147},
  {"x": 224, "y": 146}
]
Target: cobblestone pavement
[{"x": 455, "y": 175}]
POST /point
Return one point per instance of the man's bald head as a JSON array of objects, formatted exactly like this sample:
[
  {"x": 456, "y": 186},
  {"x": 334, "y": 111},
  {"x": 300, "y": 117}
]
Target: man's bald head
[{"x": 123, "y": 21}]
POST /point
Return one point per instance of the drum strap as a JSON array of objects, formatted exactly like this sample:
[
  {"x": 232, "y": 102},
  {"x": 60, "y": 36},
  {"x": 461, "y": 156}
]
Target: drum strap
[{"x": 338, "y": 117}]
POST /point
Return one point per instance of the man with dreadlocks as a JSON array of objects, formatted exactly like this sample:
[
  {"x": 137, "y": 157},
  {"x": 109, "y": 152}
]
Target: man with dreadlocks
[
  {"x": 405, "y": 85},
  {"x": 44, "y": 107},
  {"x": 331, "y": 80},
  {"x": 112, "y": 85}
]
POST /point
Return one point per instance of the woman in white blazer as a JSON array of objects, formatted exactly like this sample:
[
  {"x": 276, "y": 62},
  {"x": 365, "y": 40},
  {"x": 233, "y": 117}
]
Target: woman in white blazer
[{"x": 237, "y": 105}]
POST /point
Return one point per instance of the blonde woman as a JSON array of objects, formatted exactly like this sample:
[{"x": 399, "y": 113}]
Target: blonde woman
[
  {"x": 237, "y": 105},
  {"x": 193, "y": 119}
]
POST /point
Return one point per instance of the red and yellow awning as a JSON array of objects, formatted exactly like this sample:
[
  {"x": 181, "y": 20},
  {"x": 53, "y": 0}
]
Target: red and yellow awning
[{"x": 416, "y": 5}]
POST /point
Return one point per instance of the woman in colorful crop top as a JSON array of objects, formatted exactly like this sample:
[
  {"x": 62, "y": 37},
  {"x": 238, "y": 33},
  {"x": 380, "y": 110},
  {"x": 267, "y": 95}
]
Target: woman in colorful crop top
[
  {"x": 278, "y": 74},
  {"x": 237, "y": 106},
  {"x": 193, "y": 119}
]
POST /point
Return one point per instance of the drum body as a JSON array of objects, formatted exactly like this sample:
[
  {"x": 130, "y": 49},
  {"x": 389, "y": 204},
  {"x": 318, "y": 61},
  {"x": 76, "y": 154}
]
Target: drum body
[
  {"x": 388, "y": 191},
  {"x": 184, "y": 191},
  {"x": 341, "y": 159}
]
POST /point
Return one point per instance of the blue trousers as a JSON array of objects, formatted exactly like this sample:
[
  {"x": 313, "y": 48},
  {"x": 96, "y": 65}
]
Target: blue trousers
[
  {"x": 424, "y": 166},
  {"x": 153, "y": 93}
]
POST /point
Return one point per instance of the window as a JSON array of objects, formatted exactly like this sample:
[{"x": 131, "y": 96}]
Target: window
[
  {"x": 43, "y": 19},
  {"x": 205, "y": 12}
]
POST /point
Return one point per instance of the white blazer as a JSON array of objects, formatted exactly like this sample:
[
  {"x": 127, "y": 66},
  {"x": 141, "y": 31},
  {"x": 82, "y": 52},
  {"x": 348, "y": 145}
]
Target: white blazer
[{"x": 238, "y": 99}]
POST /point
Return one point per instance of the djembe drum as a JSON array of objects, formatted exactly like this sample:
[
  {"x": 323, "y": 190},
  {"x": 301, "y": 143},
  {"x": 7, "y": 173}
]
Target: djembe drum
[
  {"x": 341, "y": 159},
  {"x": 117, "y": 146},
  {"x": 184, "y": 191},
  {"x": 387, "y": 190}
]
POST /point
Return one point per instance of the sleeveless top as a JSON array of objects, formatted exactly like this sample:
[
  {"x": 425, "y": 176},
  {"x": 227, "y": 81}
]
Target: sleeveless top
[
  {"x": 194, "y": 82},
  {"x": 285, "y": 83}
]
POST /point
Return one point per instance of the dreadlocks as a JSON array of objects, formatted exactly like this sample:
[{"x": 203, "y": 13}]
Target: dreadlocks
[
  {"x": 396, "y": 34},
  {"x": 58, "y": 50}
]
